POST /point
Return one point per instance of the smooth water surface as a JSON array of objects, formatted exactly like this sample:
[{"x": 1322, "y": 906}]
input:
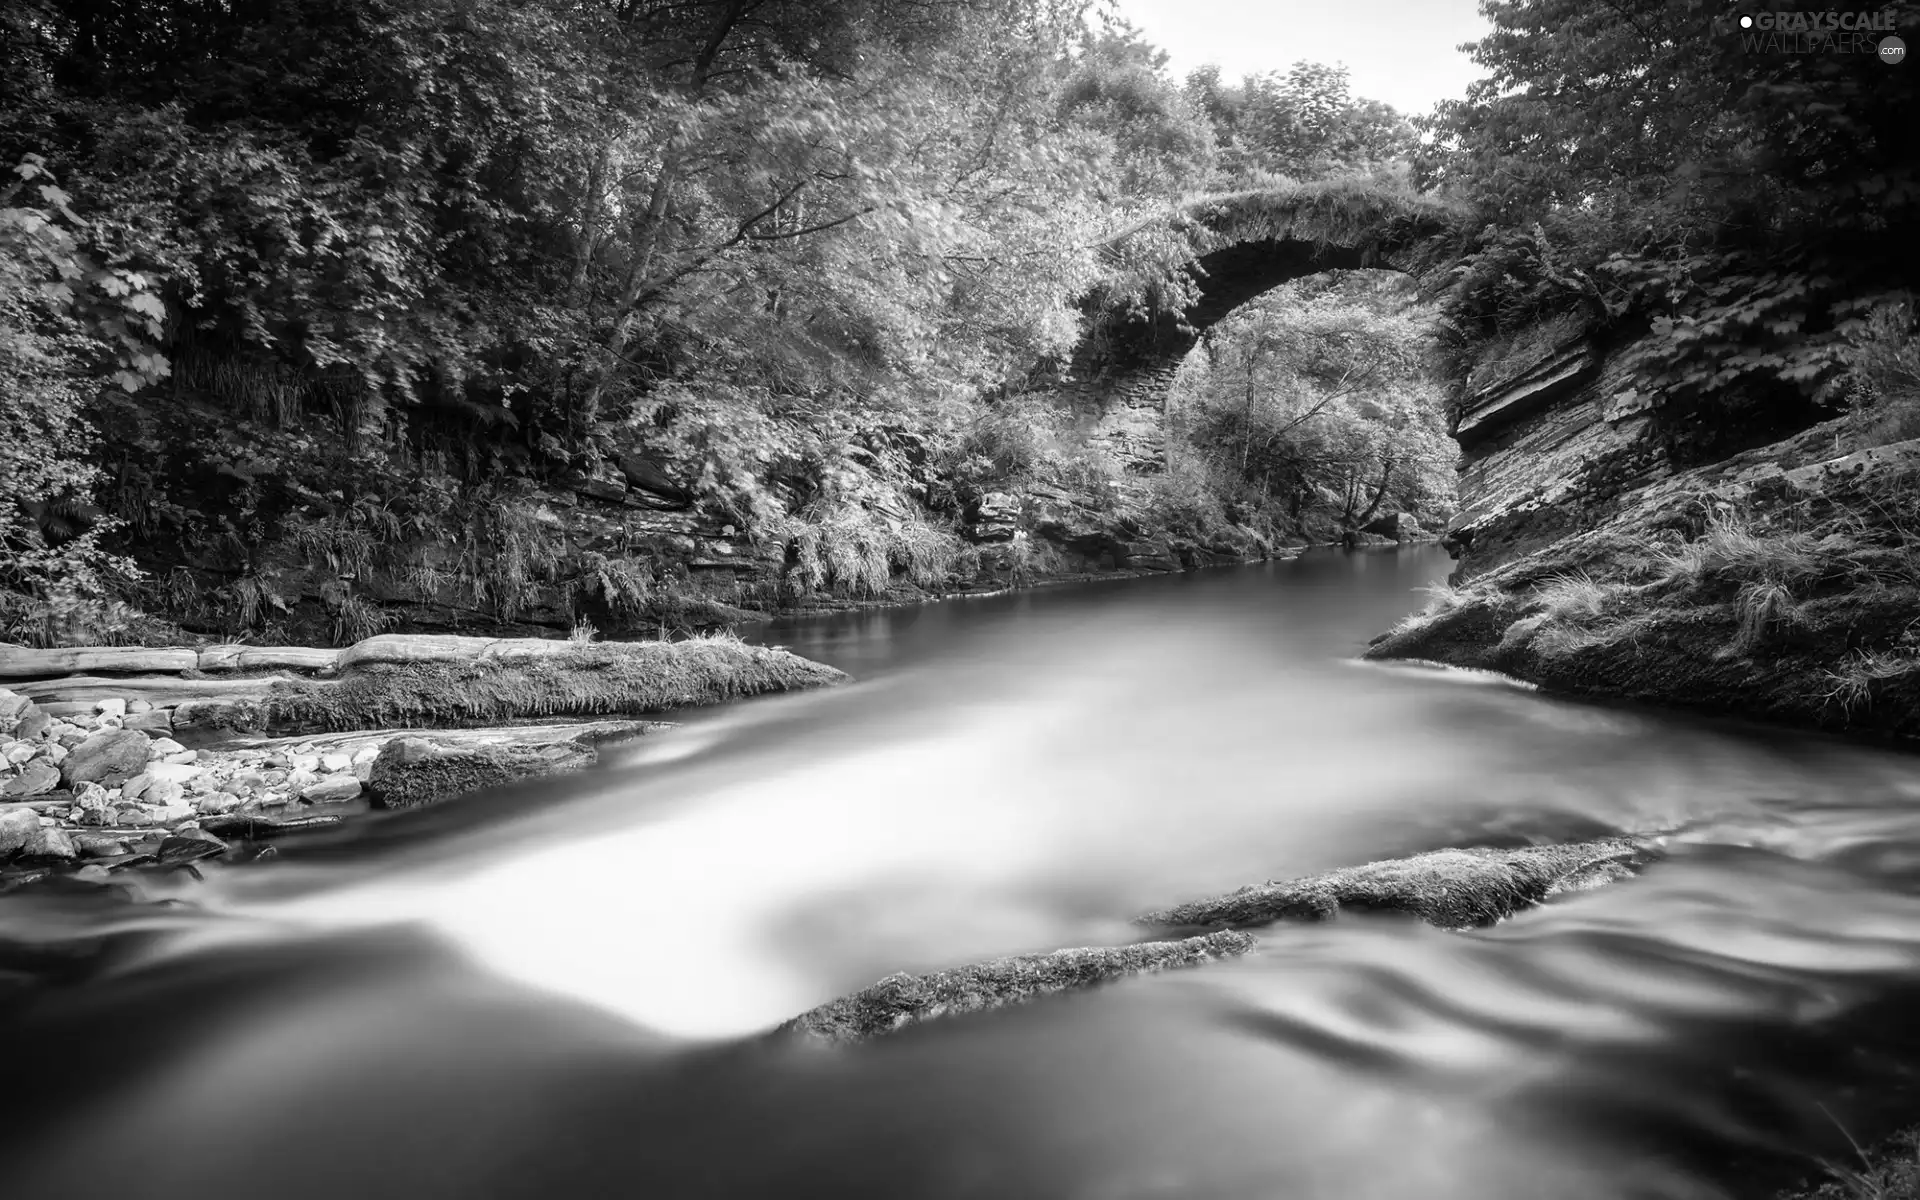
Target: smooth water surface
[{"x": 558, "y": 990}]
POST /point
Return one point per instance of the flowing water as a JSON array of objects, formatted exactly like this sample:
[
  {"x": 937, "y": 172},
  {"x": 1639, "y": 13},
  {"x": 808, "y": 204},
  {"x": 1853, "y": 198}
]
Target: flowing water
[{"x": 558, "y": 990}]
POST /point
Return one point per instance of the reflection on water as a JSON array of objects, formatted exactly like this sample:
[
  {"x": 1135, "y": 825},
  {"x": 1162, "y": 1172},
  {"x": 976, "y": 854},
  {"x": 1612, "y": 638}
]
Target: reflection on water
[{"x": 552, "y": 990}]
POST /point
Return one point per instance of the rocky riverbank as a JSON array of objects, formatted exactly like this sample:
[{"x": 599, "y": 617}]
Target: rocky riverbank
[
  {"x": 98, "y": 774},
  {"x": 1782, "y": 583}
]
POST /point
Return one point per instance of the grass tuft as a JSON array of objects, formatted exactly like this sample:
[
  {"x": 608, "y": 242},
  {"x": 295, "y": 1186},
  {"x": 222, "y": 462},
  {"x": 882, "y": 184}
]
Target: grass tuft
[
  {"x": 1892, "y": 1173},
  {"x": 1573, "y": 596},
  {"x": 1761, "y": 607},
  {"x": 1851, "y": 686}
]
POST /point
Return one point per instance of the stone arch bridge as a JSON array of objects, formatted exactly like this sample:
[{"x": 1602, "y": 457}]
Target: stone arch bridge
[{"x": 1117, "y": 381}]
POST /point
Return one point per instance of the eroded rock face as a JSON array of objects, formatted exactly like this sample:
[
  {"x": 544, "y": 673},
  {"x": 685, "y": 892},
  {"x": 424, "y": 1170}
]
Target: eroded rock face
[
  {"x": 414, "y": 771},
  {"x": 1546, "y": 446}
]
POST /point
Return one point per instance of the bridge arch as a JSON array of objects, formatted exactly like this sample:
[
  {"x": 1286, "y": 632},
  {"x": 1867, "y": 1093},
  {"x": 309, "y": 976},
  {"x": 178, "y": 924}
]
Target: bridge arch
[{"x": 1116, "y": 382}]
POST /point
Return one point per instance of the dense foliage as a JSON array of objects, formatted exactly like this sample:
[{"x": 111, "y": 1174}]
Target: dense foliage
[
  {"x": 1647, "y": 166},
  {"x": 1318, "y": 405},
  {"x": 787, "y": 261},
  {"x": 792, "y": 264}
]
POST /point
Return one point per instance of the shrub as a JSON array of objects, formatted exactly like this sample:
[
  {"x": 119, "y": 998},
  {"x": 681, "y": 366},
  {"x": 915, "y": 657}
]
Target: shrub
[
  {"x": 56, "y": 332},
  {"x": 848, "y": 549},
  {"x": 1883, "y": 384}
]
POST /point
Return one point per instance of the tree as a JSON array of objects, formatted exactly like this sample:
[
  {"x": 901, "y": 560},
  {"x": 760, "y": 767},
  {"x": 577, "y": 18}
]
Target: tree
[
  {"x": 1319, "y": 397},
  {"x": 1302, "y": 124},
  {"x": 66, "y": 321}
]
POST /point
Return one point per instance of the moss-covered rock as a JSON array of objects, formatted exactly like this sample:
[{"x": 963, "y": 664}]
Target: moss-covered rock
[
  {"x": 573, "y": 680},
  {"x": 1454, "y": 889},
  {"x": 414, "y": 771},
  {"x": 901, "y": 1000}
]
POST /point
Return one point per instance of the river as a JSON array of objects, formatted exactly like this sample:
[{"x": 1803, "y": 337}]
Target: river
[{"x": 557, "y": 990}]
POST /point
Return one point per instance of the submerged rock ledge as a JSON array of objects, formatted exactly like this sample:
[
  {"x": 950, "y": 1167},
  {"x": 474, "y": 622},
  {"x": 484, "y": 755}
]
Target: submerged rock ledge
[
  {"x": 900, "y": 1000},
  {"x": 1453, "y": 889}
]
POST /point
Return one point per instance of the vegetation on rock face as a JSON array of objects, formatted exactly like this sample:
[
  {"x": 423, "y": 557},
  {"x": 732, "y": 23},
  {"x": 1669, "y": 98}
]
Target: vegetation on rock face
[
  {"x": 1639, "y": 170},
  {"x": 1892, "y": 1172},
  {"x": 1784, "y": 582}
]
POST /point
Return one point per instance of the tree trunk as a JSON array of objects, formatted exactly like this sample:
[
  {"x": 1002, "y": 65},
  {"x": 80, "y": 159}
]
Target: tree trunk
[
  {"x": 1380, "y": 493},
  {"x": 589, "y": 234}
]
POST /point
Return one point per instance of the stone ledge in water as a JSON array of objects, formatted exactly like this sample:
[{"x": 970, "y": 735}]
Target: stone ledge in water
[
  {"x": 562, "y": 680},
  {"x": 1454, "y": 889},
  {"x": 901, "y": 1000},
  {"x": 414, "y": 771}
]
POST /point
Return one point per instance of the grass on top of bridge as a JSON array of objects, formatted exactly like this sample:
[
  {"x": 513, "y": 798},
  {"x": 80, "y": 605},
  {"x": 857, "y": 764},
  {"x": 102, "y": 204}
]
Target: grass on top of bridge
[{"x": 1347, "y": 211}]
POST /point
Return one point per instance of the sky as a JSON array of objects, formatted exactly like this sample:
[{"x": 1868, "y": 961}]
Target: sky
[{"x": 1398, "y": 51}]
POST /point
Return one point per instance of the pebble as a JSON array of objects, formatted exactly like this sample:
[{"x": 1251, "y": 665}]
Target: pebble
[
  {"x": 50, "y": 842},
  {"x": 165, "y": 746},
  {"x": 139, "y": 706},
  {"x": 20, "y": 752},
  {"x": 157, "y": 720},
  {"x": 217, "y": 802},
  {"x": 333, "y": 764},
  {"x": 35, "y": 778},
  {"x": 327, "y": 791},
  {"x": 98, "y": 845},
  {"x": 309, "y": 763},
  {"x": 164, "y": 793},
  {"x": 174, "y": 772},
  {"x": 18, "y": 827},
  {"x": 111, "y": 708}
]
